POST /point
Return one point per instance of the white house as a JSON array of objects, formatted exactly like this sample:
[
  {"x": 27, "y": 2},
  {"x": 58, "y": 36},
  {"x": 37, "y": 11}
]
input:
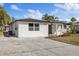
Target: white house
[
  {"x": 36, "y": 28},
  {"x": 29, "y": 28}
]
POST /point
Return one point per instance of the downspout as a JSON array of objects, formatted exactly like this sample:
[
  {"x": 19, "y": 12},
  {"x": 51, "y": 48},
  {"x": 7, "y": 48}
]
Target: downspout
[
  {"x": 56, "y": 29},
  {"x": 62, "y": 29},
  {"x": 51, "y": 28}
]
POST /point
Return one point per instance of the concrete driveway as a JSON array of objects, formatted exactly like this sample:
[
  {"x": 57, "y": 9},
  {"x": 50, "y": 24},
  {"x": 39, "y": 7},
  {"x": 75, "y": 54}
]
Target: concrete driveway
[{"x": 36, "y": 47}]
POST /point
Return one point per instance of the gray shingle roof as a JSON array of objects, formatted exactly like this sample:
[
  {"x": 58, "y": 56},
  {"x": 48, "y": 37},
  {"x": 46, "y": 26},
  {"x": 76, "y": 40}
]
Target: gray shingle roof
[{"x": 36, "y": 20}]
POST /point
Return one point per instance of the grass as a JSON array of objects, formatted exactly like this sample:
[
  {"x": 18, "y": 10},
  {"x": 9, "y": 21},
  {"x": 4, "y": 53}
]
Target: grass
[
  {"x": 1, "y": 33},
  {"x": 72, "y": 39}
]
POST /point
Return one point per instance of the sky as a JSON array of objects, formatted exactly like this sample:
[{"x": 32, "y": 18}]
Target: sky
[{"x": 65, "y": 11}]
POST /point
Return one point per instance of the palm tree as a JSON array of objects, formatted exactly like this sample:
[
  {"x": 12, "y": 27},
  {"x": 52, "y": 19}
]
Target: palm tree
[
  {"x": 45, "y": 17},
  {"x": 73, "y": 21},
  {"x": 4, "y": 17},
  {"x": 54, "y": 18},
  {"x": 49, "y": 18}
]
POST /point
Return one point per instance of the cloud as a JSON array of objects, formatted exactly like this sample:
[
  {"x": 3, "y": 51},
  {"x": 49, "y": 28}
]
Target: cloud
[
  {"x": 59, "y": 6},
  {"x": 66, "y": 11},
  {"x": 74, "y": 6},
  {"x": 54, "y": 12},
  {"x": 14, "y": 7},
  {"x": 1, "y": 4},
  {"x": 35, "y": 14},
  {"x": 68, "y": 6},
  {"x": 66, "y": 20},
  {"x": 77, "y": 18}
]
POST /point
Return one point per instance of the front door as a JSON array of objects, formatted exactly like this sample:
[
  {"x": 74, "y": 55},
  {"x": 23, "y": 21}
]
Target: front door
[{"x": 50, "y": 29}]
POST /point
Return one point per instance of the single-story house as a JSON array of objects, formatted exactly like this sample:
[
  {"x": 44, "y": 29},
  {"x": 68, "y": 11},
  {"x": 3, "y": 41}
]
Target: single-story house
[
  {"x": 36, "y": 28},
  {"x": 29, "y": 28},
  {"x": 76, "y": 26}
]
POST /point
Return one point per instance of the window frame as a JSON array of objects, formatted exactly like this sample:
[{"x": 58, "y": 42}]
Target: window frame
[
  {"x": 31, "y": 27},
  {"x": 34, "y": 27},
  {"x": 37, "y": 27}
]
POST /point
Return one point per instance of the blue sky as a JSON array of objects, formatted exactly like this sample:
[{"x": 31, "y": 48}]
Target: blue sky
[{"x": 35, "y": 10}]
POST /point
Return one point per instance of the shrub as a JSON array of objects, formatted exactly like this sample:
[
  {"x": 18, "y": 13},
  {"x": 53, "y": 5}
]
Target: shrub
[{"x": 70, "y": 30}]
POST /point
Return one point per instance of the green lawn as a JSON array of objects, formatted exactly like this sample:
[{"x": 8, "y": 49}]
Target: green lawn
[{"x": 72, "y": 39}]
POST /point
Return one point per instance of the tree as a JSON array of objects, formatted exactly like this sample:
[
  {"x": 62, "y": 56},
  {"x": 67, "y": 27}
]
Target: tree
[
  {"x": 73, "y": 21},
  {"x": 54, "y": 18},
  {"x": 49, "y": 18},
  {"x": 4, "y": 17},
  {"x": 45, "y": 17}
]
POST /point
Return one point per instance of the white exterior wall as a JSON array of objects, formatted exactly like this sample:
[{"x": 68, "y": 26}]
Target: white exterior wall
[
  {"x": 58, "y": 29},
  {"x": 61, "y": 30},
  {"x": 23, "y": 31}
]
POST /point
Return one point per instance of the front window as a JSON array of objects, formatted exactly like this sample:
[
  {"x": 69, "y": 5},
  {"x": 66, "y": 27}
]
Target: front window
[
  {"x": 33, "y": 27},
  {"x": 36, "y": 27}
]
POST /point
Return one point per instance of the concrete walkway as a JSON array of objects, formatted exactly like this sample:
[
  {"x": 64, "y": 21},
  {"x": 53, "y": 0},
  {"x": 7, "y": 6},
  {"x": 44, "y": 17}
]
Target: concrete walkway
[{"x": 36, "y": 47}]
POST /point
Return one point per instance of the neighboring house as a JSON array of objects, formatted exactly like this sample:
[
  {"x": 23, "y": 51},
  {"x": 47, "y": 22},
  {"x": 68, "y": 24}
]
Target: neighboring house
[
  {"x": 36, "y": 28},
  {"x": 77, "y": 26}
]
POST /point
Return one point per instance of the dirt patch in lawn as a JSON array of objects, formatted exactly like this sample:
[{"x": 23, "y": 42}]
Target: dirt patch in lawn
[{"x": 72, "y": 39}]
